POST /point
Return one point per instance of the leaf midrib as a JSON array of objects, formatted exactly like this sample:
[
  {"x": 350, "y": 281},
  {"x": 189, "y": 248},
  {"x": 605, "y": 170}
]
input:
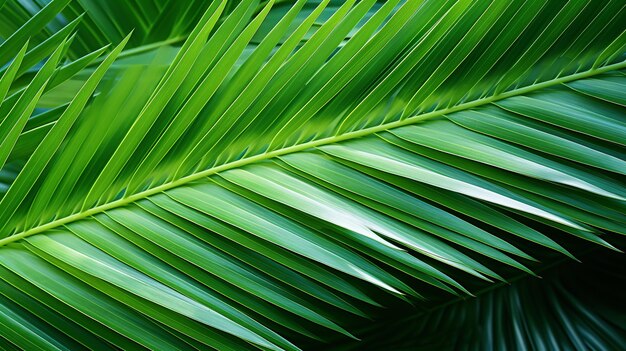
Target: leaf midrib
[
  {"x": 490, "y": 288},
  {"x": 142, "y": 49},
  {"x": 169, "y": 41},
  {"x": 305, "y": 146}
]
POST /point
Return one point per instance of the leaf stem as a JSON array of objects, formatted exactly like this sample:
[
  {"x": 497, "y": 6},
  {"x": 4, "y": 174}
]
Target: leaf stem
[
  {"x": 143, "y": 48},
  {"x": 305, "y": 146}
]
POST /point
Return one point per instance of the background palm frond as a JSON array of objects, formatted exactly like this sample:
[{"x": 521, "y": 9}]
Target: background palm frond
[{"x": 567, "y": 309}]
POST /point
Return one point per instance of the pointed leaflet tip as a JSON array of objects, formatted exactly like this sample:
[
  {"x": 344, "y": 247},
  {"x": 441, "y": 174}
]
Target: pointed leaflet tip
[
  {"x": 128, "y": 35},
  {"x": 11, "y": 71},
  {"x": 368, "y": 277},
  {"x": 51, "y": 142}
]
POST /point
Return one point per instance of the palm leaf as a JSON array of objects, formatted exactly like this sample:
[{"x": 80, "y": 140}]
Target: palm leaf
[
  {"x": 567, "y": 311},
  {"x": 267, "y": 181},
  {"x": 157, "y": 22}
]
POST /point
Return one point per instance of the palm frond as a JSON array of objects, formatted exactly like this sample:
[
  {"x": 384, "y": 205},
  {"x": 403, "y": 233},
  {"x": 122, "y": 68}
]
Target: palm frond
[
  {"x": 102, "y": 23},
  {"x": 568, "y": 309},
  {"x": 267, "y": 181}
]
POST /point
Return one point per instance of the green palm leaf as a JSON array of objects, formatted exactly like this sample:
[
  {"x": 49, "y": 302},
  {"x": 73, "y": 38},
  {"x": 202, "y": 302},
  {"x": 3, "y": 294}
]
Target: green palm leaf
[
  {"x": 293, "y": 167},
  {"x": 567, "y": 311}
]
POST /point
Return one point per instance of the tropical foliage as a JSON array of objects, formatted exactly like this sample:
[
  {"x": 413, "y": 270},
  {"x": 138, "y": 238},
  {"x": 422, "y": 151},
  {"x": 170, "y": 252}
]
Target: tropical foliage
[{"x": 285, "y": 175}]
